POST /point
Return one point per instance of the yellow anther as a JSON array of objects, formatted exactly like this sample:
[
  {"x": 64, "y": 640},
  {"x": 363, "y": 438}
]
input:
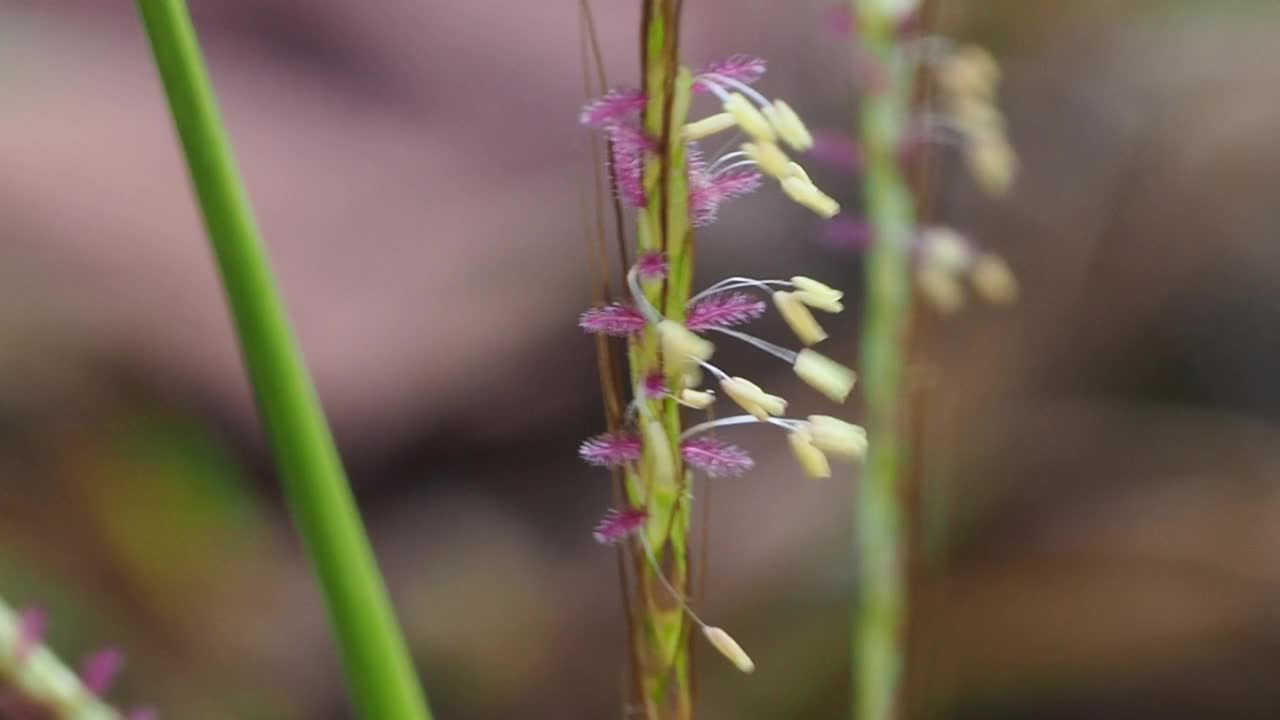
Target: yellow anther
[
  {"x": 752, "y": 398},
  {"x": 751, "y": 120},
  {"x": 970, "y": 71},
  {"x": 680, "y": 344},
  {"x": 697, "y": 399},
  {"x": 658, "y": 450},
  {"x": 811, "y": 459},
  {"x": 769, "y": 158},
  {"x": 824, "y": 374},
  {"x": 816, "y": 295},
  {"x": 798, "y": 318},
  {"x": 789, "y": 126},
  {"x": 794, "y": 170},
  {"x": 728, "y": 647},
  {"x": 993, "y": 279},
  {"x": 941, "y": 289},
  {"x": 992, "y": 162},
  {"x": 946, "y": 250},
  {"x": 707, "y": 127},
  {"x": 835, "y": 436},
  {"x": 808, "y": 195}
]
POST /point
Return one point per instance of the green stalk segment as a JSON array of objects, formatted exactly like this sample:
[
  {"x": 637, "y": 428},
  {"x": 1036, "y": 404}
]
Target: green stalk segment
[
  {"x": 878, "y": 615},
  {"x": 379, "y": 671}
]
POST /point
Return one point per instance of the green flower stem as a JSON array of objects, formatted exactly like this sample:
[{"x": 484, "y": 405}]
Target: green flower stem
[
  {"x": 878, "y": 615},
  {"x": 379, "y": 670},
  {"x": 663, "y": 225},
  {"x": 37, "y": 679}
]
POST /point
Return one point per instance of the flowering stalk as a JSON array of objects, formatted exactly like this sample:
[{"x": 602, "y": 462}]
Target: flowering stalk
[
  {"x": 885, "y": 112},
  {"x": 379, "y": 670}
]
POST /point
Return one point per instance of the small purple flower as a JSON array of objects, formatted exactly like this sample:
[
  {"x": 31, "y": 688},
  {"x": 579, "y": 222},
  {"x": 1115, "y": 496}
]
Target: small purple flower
[
  {"x": 617, "y": 320},
  {"x": 715, "y": 457},
  {"x": 629, "y": 146},
  {"x": 652, "y": 266},
  {"x": 618, "y": 525},
  {"x": 32, "y": 623},
  {"x": 611, "y": 450},
  {"x": 617, "y": 106},
  {"x": 655, "y": 387},
  {"x": 100, "y": 669},
  {"x": 724, "y": 310},
  {"x": 743, "y": 68}
]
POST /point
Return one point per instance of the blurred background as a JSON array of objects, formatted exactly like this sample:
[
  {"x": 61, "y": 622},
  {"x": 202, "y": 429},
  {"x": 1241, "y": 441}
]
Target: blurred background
[{"x": 1097, "y": 512}]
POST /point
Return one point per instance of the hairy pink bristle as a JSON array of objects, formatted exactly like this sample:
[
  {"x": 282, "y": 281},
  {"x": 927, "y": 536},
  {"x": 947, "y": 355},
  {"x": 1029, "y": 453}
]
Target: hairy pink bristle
[
  {"x": 617, "y": 106},
  {"x": 100, "y": 669},
  {"x": 652, "y": 266},
  {"x": 617, "y": 320},
  {"x": 618, "y": 525},
  {"x": 743, "y": 68},
  {"x": 715, "y": 457},
  {"x": 611, "y": 449},
  {"x": 724, "y": 310},
  {"x": 628, "y": 146}
]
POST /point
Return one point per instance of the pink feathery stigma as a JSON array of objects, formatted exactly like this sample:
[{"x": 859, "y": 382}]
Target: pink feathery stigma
[
  {"x": 716, "y": 458},
  {"x": 846, "y": 233},
  {"x": 743, "y": 68},
  {"x": 836, "y": 151},
  {"x": 611, "y": 450},
  {"x": 617, "y": 106},
  {"x": 142, "y": 713},
  {"x": 706, "y": 193},
  {"x": 628, "y": 146},
  {"x": 655, "y": 386},
  {"x": 100, "y": 669},
  {"x": 618, "y": 525},
  {"x": 724, "y": 310},
  {"x": 32, "y": 623},
  {"x": 652, "y": 266},
  {"x": 617, "y": 320}
]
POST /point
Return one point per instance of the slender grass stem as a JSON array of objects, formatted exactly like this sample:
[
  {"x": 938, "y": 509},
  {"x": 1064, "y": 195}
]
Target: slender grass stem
[
  {"x": 379, "y": 670},
  {"x": 878, "y": 614}
]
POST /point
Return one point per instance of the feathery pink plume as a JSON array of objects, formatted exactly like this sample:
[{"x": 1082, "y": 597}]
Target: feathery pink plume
[
  {"x": 617, "y": 320},
  {"x": 611, "y": 450},
  {"x": 618, "y": 525},
  {"x": 743, "y": 68},
  {"x": 32, "y": 623},
  {"x": 715, "y": 457},
  {"x": 706, "y": 193},
  {"x": 652, "y": 266},
  {"x": 628, "y": 146},
  {"x": 655, "y": 386},
  {"x": 617, "y": 105},
  {"x": 724, "y": 310}
]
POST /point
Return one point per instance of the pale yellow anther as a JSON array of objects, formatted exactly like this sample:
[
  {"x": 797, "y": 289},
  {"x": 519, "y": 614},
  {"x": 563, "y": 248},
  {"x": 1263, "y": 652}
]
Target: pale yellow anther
[
  {"x": 946, "y": 250},
  {"x": 970, "y": 71},
  {"x": 941, "y": 289},
  {"x": 811, "y": 459},
  {"x": 697, "y": 399},
  {"x": 840, "y": 438},
  {"x": 658, "y": 450},
  {"x": 692, "y": 376},
  {"x": 728, "y": 647},
  {"x": 798, "y": 318},
  {"x": 708, "y": 126},
  {"x": 807, "y": 194},
  {"x": 992, "y": 162},
  {"x": 769, "y": 158},
  {"x": 680, "y": 344},
  {"x": 824, "y": 374},
  {"x": 789, "y": 126},
  {"x": 975, "y": 116},
  {"x": 751, "y": 120},
  {"x": 752, "y": 398},
  {"x": 817, "y": 295},
  {"x": 993, "y": 279},
  {"x": 795, "y": 170}
]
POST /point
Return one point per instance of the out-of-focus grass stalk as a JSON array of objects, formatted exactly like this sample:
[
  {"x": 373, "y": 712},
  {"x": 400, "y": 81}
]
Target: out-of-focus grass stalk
[
  {"x": 881, "y": 596},
  {"x": 378, "y": 668},
  {"x": 34, "y": 678},
  {"x": 664, "y": 226}
]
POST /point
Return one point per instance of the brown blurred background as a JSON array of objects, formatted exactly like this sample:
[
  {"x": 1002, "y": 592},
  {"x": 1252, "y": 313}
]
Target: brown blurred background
[{"x": 1099, "y": 509}]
